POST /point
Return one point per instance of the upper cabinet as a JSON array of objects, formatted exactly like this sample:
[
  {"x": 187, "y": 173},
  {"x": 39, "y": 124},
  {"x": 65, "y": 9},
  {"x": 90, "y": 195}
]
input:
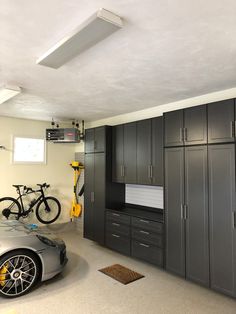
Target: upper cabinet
[
  {"x": 95, "y": 140},
  {"x": 138, "y": 152},
  {"x": 150, "y": 151},
  {"x": 186, "y": 127},
  {"x": 221, "y": 121}
]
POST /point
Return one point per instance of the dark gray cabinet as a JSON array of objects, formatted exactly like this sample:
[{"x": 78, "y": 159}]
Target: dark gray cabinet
[
  {"x": 196, "y": 214},
  {"x": 150, "y": 151},
  {"x": 221, "y": 121},
  {"x": 186, "y": 127},
  {"x": 222, "y": 218},
  {"x": 99, "y": 191},
  {"x": 186, "y": 206},
  {"x": 94, "y": 197},
  {"x": 174, "y": 200},
  {"x": 130, "y": 150},
  {"x": 124, "y": 153},
  {"x": 95, "y": 140}
]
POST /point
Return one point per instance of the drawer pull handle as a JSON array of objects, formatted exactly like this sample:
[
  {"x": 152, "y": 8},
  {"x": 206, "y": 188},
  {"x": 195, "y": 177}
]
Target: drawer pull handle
[
  {"x": 115, "y": 235},
  {"x": 115, "y": 224},
  {"x": 144, "y": 232},
  {"x": 115, "y": 214},
  {"x": 142, "y": 220},
  {"x": 145, "y": 245}
]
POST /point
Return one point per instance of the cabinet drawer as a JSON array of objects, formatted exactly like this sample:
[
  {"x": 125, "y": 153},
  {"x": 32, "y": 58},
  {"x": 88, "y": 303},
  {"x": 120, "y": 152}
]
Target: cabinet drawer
[
  {"x": 119, "y": 218},
  {"x": 146, "y": 252},
  {"x": 113, "y": 226},
  {"x": 147, "y": 237},
  {"x": 118, "y": 243},
  {"x": 147, "y": 224}
]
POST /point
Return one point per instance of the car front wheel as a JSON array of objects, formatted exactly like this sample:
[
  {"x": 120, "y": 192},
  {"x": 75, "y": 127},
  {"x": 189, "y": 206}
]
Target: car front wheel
[{"x": 19, "y": 271}]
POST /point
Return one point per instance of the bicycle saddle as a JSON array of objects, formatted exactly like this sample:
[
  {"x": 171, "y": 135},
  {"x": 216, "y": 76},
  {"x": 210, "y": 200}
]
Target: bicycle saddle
[{"x": 17, "y": 185}]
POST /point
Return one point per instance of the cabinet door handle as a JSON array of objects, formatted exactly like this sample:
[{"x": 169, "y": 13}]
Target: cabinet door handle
[
  {"x": 151, "y": 171},
  {"x": 232, "y": 128},
  {"x": 115, "y": 235},
  {"x": 92, "y": 197},
  {"x": 115, "y": 224},
  {"x": 144, "y": 232},
  {"x": 185, "y": 211},
  {"x": 145, "y": 245},
  {"x": 181, "y": 134},
  {"x": 118, "y": 215},
  {"x": 185, "y": 134},
  {"x": 95, "y": 145},
  {"x": 142, "y": 220},
  {"x": 233, "y": 220},
  {"x": 121, "y": 170}
]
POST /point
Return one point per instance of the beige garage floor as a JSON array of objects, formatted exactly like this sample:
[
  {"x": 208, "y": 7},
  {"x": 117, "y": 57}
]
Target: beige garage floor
[{"x": 82, "y": 289}]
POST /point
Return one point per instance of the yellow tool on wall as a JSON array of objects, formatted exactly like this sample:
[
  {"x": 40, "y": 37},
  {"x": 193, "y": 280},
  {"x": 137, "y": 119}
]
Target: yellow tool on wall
[{"x": 76, "y": 208}]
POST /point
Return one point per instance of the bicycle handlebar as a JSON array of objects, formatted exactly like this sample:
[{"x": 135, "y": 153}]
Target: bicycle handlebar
[{"x": 44, "y": 185}]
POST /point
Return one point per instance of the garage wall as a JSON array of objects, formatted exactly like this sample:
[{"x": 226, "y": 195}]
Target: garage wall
[{"x": 56, "y": 172}]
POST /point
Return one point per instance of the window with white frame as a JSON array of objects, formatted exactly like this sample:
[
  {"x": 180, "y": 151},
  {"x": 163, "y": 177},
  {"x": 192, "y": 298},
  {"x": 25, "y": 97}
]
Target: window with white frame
[{"x": 29, "y": 150}]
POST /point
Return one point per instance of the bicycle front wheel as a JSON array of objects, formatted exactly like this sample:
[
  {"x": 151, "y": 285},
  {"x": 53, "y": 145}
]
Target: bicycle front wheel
[
  {"x": 48, "y": 210},
  {"x": 9, "y": 208}
]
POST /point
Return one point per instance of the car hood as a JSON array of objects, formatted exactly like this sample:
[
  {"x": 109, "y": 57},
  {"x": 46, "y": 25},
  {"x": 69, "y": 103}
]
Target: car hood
[{"x": 15, "y": 228}]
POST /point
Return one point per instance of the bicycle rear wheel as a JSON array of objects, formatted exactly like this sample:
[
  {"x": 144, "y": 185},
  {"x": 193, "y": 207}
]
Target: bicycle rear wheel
[
  {"x": 48, "y": 210},
  {"x": 9, "y": 208}
]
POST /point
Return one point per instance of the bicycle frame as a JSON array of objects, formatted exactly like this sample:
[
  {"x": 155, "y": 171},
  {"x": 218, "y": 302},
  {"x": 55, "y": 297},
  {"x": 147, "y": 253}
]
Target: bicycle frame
[{"x": 23, "y": 211}]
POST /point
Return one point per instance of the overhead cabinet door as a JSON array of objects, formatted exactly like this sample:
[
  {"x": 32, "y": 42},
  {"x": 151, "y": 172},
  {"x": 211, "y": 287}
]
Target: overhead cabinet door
[
  {"x": 196, "y": 214},
  {"x": 99, "y": 139},
  {"x": 157, "y": 151},
  {"x": 222, "y": 218},
  {"x": 144, "y": 160},
  {"x": 89, "y": 141},
  {"x": 221, "y": 121},
  {"x": 195, "y": 125},
  {"x": 174, "y": 122},
  {"x": 174, "y": 200},
  {"x": 130, "y": 153},
  {"x": 118, "y": 154}
]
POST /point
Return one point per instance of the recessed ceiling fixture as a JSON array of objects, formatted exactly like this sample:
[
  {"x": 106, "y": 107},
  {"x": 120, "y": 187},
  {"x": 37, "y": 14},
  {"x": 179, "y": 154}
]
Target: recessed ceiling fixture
[
  {"x": 7, "y": 92},
  {"x": 94, "y": 29}
]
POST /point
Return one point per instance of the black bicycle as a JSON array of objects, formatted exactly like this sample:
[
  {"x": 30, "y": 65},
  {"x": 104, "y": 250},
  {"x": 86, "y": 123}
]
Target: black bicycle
[{"x": 48, "y": 208}]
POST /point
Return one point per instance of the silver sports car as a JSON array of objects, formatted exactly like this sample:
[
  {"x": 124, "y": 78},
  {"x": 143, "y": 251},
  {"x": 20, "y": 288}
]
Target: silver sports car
[{"x": 27, "y": 255}]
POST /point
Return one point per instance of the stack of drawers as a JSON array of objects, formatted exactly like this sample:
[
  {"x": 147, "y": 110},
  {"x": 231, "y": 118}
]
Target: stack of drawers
[
  {"x": 147, "y": 240},
  {"x": 138, "y": 237},
  {"x": 118, "y": 232}
]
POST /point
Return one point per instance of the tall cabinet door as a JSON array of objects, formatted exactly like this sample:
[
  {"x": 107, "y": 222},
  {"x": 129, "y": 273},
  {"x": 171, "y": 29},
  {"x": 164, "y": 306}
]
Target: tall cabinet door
[
  {"x": 221, "y": 121},
  {"x": 157, "y": 151},
  {"x": 99, "y": 139},
  {"x": 222, "y": 211},
  {"x": 89, "y": 196},
  {"x": 174, "y": 200},
  {"x": 195, "y": 125},
  {"x": 99, "y": 199},
  {"x": 196, "y": 214},
  {"x": 130, "y": 153},
  {"x": 144, "y": 163},
  {"x": 174, "y": 122},
  {"x": 118, "y": 154}
]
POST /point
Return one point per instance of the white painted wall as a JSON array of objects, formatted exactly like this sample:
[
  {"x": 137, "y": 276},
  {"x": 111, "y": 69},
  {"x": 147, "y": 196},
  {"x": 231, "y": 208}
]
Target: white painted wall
[{"x": 56, "y": 171}]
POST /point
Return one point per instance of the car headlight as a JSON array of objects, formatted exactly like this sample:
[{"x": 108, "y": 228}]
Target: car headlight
[{"x": 46, "y": 241}]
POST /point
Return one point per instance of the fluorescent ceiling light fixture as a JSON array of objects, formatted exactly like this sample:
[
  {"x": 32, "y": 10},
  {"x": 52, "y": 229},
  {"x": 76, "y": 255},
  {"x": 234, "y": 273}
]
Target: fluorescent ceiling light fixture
[
  {"x": 7, "y": 92},
  {"x": 94, "y": 29}
]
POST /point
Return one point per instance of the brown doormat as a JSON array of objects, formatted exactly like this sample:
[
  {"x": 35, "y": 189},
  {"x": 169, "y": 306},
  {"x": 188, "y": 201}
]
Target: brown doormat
[{"x": 121, "y": 273}]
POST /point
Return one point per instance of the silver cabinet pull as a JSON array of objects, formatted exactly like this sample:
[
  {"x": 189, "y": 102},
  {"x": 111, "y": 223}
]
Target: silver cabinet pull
[
  {"x": 182, "y": 211},
  {"x": 233, "y": 220},
  {"x": 181, "y": 135},
  {"x": 118, "y": 215},
  {"x": 142, "y": 220},
  {"x": 115, "y": 235},
  {"x": 151, "y": 171},
  {"x": 185, "y": 211},
  {"x": 145, "y": 245},
  {"x": 185, "y": 134},
  {"x": 144, "y": 232},
  {"x": 232, "y": 125},
  {"x": 95, "y": 145},
  {"x": 115, "y": 224},
  {"x": 92, "y": 197}
]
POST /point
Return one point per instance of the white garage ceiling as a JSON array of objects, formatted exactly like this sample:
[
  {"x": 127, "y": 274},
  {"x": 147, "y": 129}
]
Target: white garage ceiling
[{"x": 168, "y": 50}]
